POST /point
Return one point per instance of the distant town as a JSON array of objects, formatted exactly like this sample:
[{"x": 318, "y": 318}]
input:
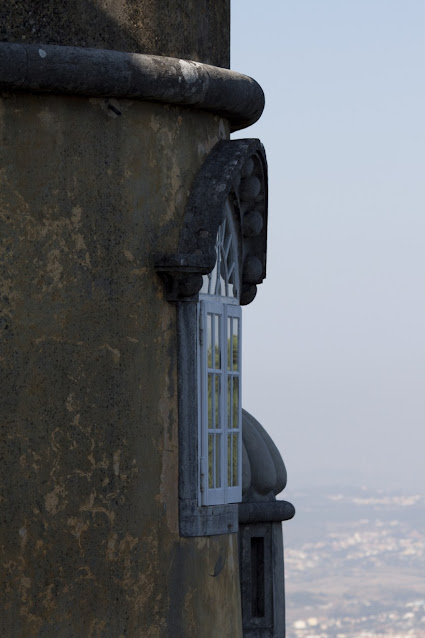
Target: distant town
[{"x": 355, "y": 565}]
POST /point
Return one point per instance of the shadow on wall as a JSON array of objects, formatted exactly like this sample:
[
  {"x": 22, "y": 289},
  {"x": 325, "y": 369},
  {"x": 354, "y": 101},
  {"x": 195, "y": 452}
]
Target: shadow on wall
[{"x": 188, "y": 29}]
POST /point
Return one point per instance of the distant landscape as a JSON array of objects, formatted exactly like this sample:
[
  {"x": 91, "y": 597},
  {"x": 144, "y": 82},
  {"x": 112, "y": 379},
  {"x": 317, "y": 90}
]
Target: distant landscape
[{"x": 355, "y": 564}]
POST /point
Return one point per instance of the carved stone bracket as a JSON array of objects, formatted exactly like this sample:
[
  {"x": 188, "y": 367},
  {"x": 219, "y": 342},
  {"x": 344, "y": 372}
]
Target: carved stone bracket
[{"x": 234, "y": 170}]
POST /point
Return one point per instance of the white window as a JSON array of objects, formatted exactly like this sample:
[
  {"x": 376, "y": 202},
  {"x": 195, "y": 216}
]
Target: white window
[{"x": 219, "y": 364}]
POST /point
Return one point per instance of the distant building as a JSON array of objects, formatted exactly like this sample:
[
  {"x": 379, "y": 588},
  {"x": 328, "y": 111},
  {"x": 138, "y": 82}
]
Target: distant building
[{"x": 137, "y": 497}]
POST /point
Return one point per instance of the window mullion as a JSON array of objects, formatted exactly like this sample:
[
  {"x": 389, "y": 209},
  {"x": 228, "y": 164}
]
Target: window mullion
[
  {"x": 221, "y": 408},
  {"x": 225, "y": 406},
  {"x": 240, "y": 399},
  {"x": 235, "y": 491},
  {"x": 203, "y": 380}
]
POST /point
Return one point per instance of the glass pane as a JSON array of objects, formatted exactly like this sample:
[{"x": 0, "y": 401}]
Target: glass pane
[
  {"x": 210, "y": 400},
  {"x": 229, "y": 459},
  {"x": 212, "y": 280},
  {"x": 217, "y": 422},
  {"x": 217, "y": 290},
  {"x": 224, "y": 278},
  {"x": 222, "y": 284},
  {"x": 227, "y": 244},
  {"x": 211, "y": 461},
  {"x": 235, "y": 398},
  {"x": 209, "y": 340},
  {"x": 229, "y": 342},
  {"x": 235, "y": 458},
  {"x": 217, "y": 461},
  {"x": 229, "y": 402},
  {"x": 231, "y": 278},
  {"x": 235, "y": 344},
  {"x": 221, "y": 260},
  {"x": 217, "y": 341}
]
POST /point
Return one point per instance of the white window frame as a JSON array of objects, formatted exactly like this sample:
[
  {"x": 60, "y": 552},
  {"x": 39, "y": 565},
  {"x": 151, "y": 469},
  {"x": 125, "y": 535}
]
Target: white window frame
[{"x": 224, "y": 307}]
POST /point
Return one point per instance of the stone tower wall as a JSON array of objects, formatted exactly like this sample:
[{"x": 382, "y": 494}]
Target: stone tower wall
[{"x": 92, "y": 189}]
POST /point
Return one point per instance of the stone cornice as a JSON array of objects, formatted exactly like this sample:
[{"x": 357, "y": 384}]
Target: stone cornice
[{"x": 98, "y": 72}]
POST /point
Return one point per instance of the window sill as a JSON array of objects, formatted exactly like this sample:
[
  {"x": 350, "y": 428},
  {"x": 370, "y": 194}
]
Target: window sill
[{"x": 208, "y": 520}]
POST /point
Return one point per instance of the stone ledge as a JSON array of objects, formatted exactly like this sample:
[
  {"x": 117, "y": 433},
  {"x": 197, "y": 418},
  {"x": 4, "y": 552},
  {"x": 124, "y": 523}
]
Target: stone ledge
[
  {"x": 265, "y": 512},
  {"x": 207, "y": 520}
]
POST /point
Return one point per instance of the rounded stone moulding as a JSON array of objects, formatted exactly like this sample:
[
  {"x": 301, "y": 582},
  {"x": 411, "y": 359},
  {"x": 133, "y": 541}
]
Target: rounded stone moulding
[{"x": 105, "y": 73}]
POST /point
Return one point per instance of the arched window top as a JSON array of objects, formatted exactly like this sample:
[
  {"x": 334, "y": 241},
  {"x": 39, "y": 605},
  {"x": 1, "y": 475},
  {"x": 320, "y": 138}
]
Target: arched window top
[
  {"x": 223, "y": 280},
  {"x": 235, "y": 172}
]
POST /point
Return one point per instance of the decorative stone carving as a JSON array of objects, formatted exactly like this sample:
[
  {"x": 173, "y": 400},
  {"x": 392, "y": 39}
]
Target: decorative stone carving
[
  {"x": 252, "y": 224},
  {"x": 264, "y": 472},
  {"x": 234, "y": 170}
]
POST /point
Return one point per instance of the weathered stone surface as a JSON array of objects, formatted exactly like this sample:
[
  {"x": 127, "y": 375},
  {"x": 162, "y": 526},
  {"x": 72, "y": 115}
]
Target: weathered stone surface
[
  {"x": 89, "y": 534},
  {"x": 190, "y": 29}
]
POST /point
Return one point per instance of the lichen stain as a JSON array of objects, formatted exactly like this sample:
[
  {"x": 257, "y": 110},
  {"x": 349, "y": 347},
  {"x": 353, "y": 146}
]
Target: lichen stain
[
  {"x": 139, "y": 271},
  {"x": 25, "y": 585},
  {"x": 168, "y": 494},
  {"x": 85, "y": 573},
  {"x": 189, "y": 612},
  {"x": 54, "y": 500},
  {"x": 49, "y": 600},
  {"x": 141, "y": 587},
  {"x": 116, "y": 462},
  {"x": 64, "y": 235},
  {"x": 89, "y": 506},
  {"x": 77, "y": 527},
  {"x": 54, "y": 267},
  {"x": 76, "y": 215},
  {"x": 111, "y": 547},
  {"x": 127, "y": 543},
  {"x": 232, "y": 561},
  {"x": 23, "y": 533},
  {"x": 96, "y": 628},
  {"x": 33, "y": 623},
  {"x": 175, "y": 194},
  {"x": 116, "y": 354},
  {"x": 48, "y": 117},
  {"x": 156, "y": 123},
  {"x": 71, "y": 404}
]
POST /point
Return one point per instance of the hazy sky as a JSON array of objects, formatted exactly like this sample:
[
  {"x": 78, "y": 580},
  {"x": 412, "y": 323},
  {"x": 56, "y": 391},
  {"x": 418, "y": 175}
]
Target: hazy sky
[{"x": 334, "y": 344}]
